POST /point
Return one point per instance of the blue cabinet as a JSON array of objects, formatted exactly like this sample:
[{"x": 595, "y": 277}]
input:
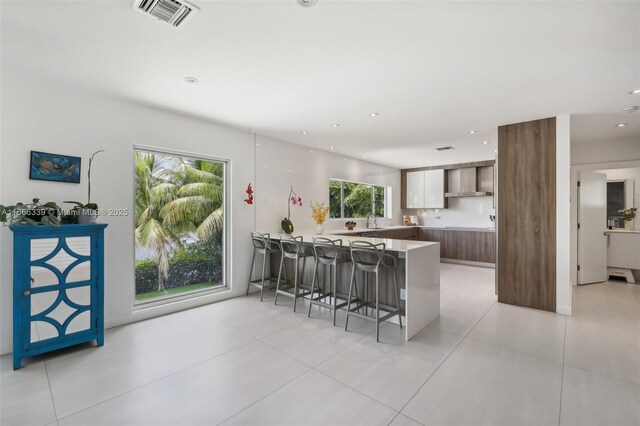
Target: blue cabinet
[{"x": 58, "y": 288}]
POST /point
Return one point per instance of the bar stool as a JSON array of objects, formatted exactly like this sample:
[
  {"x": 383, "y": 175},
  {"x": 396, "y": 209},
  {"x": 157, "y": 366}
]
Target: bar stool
[
  {"x": 328, "y": 253},
  {"x": 294, "y": 249},
  {"x": 262, "y": 245},
  {"x": 371, "y": 258}
]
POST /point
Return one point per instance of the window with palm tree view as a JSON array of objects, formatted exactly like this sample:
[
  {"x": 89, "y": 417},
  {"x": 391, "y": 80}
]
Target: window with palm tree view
[
  {"x": 179, "y": 225},
  {"x": 350, "y": 200}
]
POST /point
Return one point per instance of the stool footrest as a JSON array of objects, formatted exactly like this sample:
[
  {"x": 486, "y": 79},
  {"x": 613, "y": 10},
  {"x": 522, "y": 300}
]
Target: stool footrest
[
  {"x": 373, "y": 319},
  {"x": 328, "y": 305},
  {"x": 289, "y": 294},
  {"x": 259, "y": 280}
]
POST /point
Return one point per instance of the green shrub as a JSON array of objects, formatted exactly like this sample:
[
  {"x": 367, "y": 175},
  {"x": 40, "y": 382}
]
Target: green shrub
[{"x": 199, "y": 262}]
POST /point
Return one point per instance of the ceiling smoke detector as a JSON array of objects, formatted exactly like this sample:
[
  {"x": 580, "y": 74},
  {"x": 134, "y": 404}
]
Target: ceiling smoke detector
[
  {"x": 176, "y": 13},
  {"x": 444, "y": 148},
  {"x": 307, "y": 3}
]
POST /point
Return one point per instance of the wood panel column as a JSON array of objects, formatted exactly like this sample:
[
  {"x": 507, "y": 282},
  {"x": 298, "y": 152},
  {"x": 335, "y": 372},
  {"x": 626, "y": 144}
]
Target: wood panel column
[{"x": 526, "y": 214}]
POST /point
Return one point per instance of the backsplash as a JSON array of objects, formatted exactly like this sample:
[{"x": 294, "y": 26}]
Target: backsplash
[{"x": 470, "y": 212}]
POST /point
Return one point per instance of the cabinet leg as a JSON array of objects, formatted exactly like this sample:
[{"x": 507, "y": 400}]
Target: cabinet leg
[{"x": 17, "y": 362}]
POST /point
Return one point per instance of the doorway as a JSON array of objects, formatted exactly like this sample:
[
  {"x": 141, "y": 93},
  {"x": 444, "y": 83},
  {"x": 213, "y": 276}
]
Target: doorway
[{"x": 608, "y": 237}]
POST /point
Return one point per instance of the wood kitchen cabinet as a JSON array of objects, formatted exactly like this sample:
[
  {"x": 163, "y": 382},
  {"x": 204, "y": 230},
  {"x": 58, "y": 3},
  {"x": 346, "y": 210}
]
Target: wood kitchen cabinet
[
  {"x": 473, "y": 246},
  {"x": 399, "y": 234},
  {"x": 431, "y": 187}
]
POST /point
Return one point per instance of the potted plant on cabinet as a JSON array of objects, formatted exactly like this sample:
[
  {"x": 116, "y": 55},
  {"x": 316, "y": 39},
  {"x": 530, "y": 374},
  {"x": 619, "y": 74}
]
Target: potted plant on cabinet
[
  {"x": 34, "y": 213},
  {"x": 86, "y": 213}
]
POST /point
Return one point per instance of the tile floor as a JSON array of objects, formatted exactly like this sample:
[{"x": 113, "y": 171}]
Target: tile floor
[{"x": 245, "y": 362}]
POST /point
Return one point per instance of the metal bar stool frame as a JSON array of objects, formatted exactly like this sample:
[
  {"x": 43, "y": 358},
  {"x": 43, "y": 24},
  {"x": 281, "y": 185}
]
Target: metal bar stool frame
[
  {"x": 262, "y": 245},
  {"x": 327, "y": 252},
  {"x": 371, "y": 258},
  {"x": 292, "y": 248}
]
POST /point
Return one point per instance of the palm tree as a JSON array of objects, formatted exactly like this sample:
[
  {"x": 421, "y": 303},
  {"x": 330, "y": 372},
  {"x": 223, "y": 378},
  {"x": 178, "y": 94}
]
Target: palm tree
[
  {"x": 152, "y": 194},
  {"x": 197, "y": 207}
]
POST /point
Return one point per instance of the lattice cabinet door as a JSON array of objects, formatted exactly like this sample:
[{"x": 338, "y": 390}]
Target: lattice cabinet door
[{"x": 58, "y": 288}]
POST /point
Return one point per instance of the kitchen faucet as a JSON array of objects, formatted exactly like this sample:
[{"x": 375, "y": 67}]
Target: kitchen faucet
[{"x": 375, "y": 220}]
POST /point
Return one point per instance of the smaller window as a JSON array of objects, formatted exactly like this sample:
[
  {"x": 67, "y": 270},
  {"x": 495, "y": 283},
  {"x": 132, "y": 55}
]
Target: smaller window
[{"x": 352, "y": 200}]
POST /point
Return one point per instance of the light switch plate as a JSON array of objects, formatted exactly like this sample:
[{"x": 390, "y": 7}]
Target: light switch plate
[{"x": 403, "y": 294}]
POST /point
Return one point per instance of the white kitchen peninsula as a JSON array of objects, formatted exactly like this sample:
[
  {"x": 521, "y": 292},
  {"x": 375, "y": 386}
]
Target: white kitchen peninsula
[{"x": 418, "y": 261}]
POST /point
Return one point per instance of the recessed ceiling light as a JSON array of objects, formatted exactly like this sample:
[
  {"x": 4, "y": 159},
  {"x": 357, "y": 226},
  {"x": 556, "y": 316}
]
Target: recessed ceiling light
[
  {"x": 257, "y": 144},
  {"x": 471, "y": 132},
  {"x": 311, "y": 151},
  {"x": 304, "y": 132},
  {"x": 331, "y": 147},
  {"x": 335, "y": 125},
  {"x": 495, "y": 151},
  {"x": 374, "y": 114},
  {"x": 191, "y": 80},
  {"x": 622, "y": 124},
  {"x": 635, "y": 92},
  {"x": 485, "y": 142}
]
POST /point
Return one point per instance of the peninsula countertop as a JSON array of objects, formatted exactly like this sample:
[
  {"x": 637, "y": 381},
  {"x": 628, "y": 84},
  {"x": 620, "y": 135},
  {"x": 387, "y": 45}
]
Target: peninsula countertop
[
  {"x": 359, "y": 230},
  {"x": 418, "y": 261},
  {"x": 399, "y": 246},
  {"x": 620, "y": 231}
]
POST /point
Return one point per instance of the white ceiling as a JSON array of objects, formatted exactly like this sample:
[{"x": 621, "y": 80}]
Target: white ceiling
[{"x": 433, "y": 70}]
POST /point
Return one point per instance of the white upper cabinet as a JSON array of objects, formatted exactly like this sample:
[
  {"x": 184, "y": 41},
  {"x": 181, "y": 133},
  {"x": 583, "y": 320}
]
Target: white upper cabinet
[
  {"x": 434, "y": 189},
  {"x": 425, "y": 189},
  {"x": 415, "y": 190}
]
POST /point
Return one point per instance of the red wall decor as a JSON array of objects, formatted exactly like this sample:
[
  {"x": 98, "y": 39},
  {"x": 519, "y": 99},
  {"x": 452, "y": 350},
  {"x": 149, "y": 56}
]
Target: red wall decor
[{"x": 249, "y": 191}]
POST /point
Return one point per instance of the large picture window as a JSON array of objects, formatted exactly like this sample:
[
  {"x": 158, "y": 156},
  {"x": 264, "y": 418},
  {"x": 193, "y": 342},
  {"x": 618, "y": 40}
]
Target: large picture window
[
  {"x": 350, "y": 200},
  {"x": 179, "y": 225}
]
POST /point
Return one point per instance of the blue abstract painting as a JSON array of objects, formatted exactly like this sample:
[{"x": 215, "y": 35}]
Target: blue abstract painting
[{"x": 54, "y": 167}]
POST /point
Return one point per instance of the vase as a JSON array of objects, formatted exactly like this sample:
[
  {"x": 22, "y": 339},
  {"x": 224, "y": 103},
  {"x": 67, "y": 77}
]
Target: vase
[
  {"x": 87, "y": 216},
  {"x": 286, "y": 226},
  {"x": 628, "y": 225},
  {"x": 319, "y": 229}
]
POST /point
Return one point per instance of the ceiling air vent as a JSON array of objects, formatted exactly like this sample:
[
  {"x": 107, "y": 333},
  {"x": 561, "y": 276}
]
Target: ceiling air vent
[
  {"x": 444, "y": 148},
  {"x": 173, "y": 12}
]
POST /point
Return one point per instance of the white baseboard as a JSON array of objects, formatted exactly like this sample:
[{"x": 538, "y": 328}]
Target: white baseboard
[{"x": 563, "y": 310}]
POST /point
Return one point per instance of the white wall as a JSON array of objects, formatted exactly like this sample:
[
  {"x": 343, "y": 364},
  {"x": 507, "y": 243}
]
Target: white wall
[
  {"x": 563, "y": 214},
  {"x": 40, "y": 115},
  {"x": 605, "y": 151},
  {"x": 281, "y": 164},
  {"x": 472, "y": 212}
]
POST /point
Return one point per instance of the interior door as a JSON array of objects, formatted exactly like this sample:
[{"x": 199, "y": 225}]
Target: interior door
[{"x": 592, "y": 223}]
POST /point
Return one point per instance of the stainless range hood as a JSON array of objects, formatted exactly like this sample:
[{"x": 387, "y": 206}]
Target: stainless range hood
[{"x": 469, "y": 182}]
